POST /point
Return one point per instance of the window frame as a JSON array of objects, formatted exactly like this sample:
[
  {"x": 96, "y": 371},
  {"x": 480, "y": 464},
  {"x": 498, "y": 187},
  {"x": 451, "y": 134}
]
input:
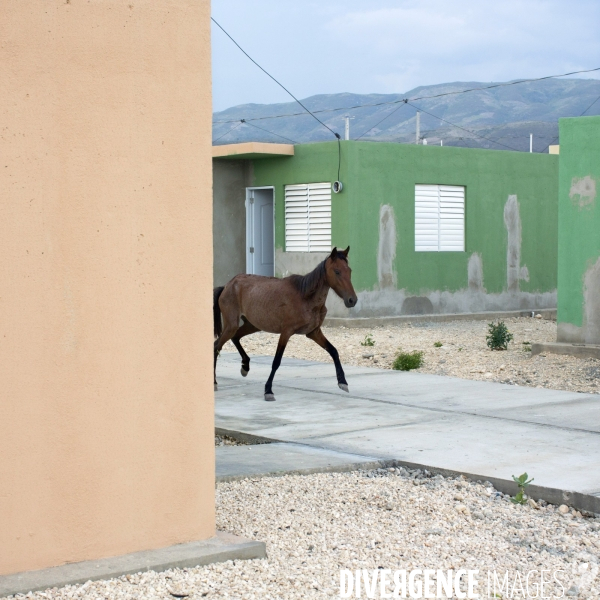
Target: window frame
[
  {"x": 448, "y": 209},
  {"x": 317, "y": 221}
]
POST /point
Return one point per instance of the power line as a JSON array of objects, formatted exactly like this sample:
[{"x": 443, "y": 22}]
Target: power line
[
  {"x": 590, "y": 106},
  {"x": 275, "y": 80},
  {"x": 459, "y": 127},
  {"x": 374, "y": 104},
  {"x": 221, "y": 136},
  {"x": 267, "y": 131},
  {"x": 581, "y": 115},
  {"x": 382, "y": 120}
]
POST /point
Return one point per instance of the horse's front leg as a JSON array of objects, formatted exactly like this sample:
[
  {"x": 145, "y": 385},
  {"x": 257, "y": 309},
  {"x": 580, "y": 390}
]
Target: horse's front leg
[
  {"x": 319, "y": 337},
  {"x": 283, "y": 340}
]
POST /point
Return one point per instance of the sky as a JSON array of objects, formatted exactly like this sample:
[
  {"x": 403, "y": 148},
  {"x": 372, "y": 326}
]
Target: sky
[{"x": 385, "y": 46}]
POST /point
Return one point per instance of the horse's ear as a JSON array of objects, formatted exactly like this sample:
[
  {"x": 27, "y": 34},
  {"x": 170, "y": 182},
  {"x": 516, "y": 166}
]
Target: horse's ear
[
  {"x": 346, "y": 251},
  {"x": 334, "y": 253}
]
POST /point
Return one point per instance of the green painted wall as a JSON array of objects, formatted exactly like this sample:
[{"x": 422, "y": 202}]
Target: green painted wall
[
  {"x": 379, "y": 173},
  {"x": 579, "y": 227},
  {"x": 312, "y": 163}
]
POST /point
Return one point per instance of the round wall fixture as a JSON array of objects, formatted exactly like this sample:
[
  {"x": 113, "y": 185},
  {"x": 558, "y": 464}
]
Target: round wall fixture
[{"x": 337, "y": 187}]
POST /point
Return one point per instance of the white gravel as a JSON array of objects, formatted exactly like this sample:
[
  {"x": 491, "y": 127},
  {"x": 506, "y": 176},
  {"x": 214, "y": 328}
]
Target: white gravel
[
  {"x": 316, "y": 525},
  {"x": 464, "y": 352}
]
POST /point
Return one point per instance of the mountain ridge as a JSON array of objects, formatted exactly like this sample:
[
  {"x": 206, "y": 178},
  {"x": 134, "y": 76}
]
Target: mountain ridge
[{"x": 505, "y": 115}]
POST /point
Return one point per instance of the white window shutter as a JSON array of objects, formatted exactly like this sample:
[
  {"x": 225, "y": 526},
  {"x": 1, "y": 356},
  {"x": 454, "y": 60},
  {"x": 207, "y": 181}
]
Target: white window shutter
[
  {"x": 439, "y": 218},
  {"x": 296, "y": 218},
  {"x": 452, "y": 218},
  {"x": 308, "y": 217}
]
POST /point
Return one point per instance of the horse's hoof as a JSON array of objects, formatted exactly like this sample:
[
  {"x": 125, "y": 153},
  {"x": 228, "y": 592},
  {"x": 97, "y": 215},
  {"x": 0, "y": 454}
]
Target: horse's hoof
[
  {"x": 270, "y": 397},
  {"x": 243, "y": 372},
  {"x": 216, "y": 388},
  {"x": 344, "y": 386}
]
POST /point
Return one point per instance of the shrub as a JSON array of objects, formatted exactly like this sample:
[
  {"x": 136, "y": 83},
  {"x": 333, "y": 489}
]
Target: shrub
[
  {"x": 499, "y": 336},
  {"x": 368, "y": 341},
  {"x": 438, "y": 344},
  {"x": 406, "y": 361}
]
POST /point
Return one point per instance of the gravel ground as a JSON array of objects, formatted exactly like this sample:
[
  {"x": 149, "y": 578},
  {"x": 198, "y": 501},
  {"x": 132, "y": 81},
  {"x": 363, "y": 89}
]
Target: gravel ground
[
  {"x": 225, "y": 440},
  {"x": 463, "y": 353},
  {"x": 394, "y": 519}
]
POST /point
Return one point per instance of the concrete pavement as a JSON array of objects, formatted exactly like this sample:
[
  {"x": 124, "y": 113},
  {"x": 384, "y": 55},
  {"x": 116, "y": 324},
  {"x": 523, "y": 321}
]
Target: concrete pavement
[{"x": 491, "y": 429}]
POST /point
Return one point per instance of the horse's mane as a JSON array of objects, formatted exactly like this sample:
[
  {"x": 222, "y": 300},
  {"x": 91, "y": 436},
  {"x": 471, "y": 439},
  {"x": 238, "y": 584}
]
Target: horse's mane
[{"x": 308, "y": 284}]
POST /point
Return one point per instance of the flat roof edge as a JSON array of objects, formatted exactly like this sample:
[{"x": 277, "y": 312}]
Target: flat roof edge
[{"x": 254, "y": 148}]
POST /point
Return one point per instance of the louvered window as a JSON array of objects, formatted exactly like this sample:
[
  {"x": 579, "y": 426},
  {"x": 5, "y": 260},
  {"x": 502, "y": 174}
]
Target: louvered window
[
  {"x": 308, "y": 217},
  {"x": 439, "y": 218}
]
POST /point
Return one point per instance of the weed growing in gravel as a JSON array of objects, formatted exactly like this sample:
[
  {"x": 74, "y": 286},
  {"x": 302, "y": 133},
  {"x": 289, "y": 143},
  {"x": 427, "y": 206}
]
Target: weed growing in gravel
[
  {"x": 438, "y": 344},
  {"x": 499, "y": 336},
  {"x": 368, "y": 341},
  {"x": 406, "y": 361},
  {"x": 522, "y": 483},
  {"x": 526, "y": 346}
]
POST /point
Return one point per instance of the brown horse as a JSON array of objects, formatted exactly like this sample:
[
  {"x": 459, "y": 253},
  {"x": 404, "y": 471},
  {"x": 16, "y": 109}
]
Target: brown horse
[{"x": 293, "y": 305}]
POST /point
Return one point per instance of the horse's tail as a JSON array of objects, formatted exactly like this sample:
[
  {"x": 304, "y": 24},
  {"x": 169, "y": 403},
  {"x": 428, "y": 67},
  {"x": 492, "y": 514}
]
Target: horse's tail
[{"x": 217, "y": 311}]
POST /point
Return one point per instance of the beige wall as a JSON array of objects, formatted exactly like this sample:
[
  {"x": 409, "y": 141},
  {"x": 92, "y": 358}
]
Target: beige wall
[{"x": 106, "y": 407}]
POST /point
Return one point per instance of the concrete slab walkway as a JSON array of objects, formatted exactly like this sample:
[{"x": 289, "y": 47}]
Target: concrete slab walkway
[{"x": 491, "y": 429}]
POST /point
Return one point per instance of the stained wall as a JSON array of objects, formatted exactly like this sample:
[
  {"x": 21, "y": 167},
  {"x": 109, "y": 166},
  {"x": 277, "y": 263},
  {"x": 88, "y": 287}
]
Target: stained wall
[
  {"x": 579, "y": 231},
  {"x": 511, "y": 212}
]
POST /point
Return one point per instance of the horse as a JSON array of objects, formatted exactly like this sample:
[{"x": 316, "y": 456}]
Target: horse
[{"x": 294, "y": 305}]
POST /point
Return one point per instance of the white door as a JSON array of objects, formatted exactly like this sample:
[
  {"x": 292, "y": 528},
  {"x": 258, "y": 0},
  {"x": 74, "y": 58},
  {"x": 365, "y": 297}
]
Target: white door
[{"x": 260, "y": 238}]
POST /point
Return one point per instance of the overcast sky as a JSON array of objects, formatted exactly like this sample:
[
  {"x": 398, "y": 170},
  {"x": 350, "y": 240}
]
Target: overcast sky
[{"x": 385, "y": 46}]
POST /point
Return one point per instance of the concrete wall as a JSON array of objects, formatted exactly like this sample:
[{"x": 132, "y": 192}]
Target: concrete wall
[
  {"x": 106, "y": 427},
  {"x": 579, "y": 231},
  {"x": 230, "y": 179},
  {"x": 511, "y": 225}
]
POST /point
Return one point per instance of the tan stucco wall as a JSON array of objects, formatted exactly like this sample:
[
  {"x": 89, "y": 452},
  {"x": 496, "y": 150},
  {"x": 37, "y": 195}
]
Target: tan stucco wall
[{"x": 106, "y": 403}]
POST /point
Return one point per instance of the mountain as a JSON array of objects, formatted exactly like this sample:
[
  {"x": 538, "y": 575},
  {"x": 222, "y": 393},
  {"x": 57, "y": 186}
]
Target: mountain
[{"x": 504, "y": 115}]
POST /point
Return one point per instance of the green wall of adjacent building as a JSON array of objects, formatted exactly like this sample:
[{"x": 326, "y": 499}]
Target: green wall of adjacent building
[
  {"x": 579, "y": 231},
  {"x": 376, "y": 174}
]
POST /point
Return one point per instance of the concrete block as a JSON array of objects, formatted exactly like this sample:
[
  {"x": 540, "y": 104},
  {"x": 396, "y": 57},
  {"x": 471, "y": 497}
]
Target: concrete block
[
  {"x": 222, "y": 547},
  {"x": 372, "y": 322},
  {"x": 579, "y": 350}
]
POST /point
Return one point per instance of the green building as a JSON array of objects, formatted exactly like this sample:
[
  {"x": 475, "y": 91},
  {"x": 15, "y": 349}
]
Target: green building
[
  {"x": 579, "y": 231},
  {"x": 431, "y": 229}
]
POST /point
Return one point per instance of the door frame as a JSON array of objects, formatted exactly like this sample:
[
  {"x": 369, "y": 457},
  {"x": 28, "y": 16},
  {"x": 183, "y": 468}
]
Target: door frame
[{"x": 250, "y": 229}]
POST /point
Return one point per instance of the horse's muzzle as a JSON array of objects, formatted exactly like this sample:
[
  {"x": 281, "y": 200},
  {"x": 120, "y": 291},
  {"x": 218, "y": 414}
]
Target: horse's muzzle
[{"x": 351, "y": 301}]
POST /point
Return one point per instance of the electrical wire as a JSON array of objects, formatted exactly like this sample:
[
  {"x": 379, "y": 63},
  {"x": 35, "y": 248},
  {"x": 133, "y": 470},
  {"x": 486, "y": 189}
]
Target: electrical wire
[
  {"x": 221, "y": 136},
  {"x": 324, "y": 110},
  {"x": 267, "y": 131},
  {"x": 382, "y": 120},
  {"x": 581, "y": 115},
  {"x": 337, "y": 135},
  {"x": 459, "y": 127},
  {"x": 590, "y": 106}
]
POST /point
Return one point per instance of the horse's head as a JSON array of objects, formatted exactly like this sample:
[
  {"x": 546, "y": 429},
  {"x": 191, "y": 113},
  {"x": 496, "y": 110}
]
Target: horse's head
[{"x": 339, "y": 276}]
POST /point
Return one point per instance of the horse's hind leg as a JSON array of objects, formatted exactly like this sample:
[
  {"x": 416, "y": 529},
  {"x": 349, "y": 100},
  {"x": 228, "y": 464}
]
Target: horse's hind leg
[
  {"x": 246, "y": 329},
  {"x": 283, "y": 340},
  {"x": 230, "y": 327},
  {"x": 319, "y": 337}
]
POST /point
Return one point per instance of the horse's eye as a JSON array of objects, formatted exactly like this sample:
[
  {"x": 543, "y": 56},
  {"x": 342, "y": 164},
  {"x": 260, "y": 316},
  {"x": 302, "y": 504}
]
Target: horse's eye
[{"x": 336, "y": 271}]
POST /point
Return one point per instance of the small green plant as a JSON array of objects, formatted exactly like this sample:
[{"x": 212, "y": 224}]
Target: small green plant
[
  {"x": 368, "y": 341},
  {"x": 406, "y": 361},
  {"x": 526, "y": 346},
  {"x": 522, "y": 484},
  {"x": 499, "y": 336},
  {"x": 460, "y": 349},
  {"x": 438, "y": 344}
]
